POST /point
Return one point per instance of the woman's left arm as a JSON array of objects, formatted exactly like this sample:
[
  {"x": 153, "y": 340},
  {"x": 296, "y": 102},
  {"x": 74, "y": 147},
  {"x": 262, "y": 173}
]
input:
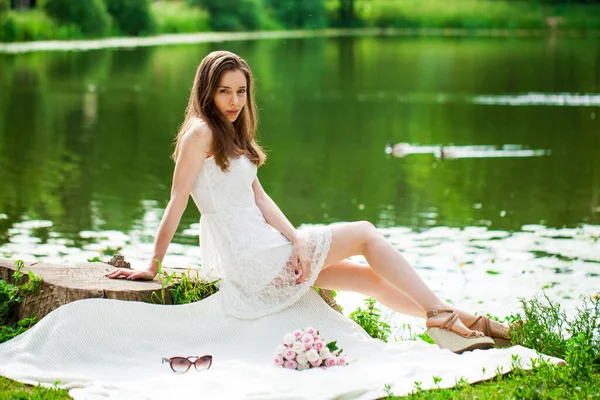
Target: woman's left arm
[{"x": 275, "y": 217}]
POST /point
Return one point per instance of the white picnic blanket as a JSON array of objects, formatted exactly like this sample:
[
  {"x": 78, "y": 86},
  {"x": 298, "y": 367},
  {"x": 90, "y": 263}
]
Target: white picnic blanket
[{"x": 111, "y": 349}]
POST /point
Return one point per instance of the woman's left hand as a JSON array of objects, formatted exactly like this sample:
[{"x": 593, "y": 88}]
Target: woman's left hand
[{"x": 301, "y": 260}]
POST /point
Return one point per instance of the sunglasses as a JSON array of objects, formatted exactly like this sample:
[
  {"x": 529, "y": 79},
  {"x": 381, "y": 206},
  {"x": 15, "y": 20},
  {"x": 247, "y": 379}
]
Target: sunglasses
[{"x": 183, "y": 364}]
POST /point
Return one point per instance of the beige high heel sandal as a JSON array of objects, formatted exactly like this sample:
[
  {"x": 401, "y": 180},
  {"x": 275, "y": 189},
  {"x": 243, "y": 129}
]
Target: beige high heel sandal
[
  {"x": 485, "y": 328},
  {"x": 456, "y": 342}
]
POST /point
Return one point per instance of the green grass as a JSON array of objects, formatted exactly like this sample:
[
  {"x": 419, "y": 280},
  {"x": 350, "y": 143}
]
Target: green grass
[
  {"x": 470, "y": 14},
  {"x": 546, "y": 382},
  {"x": 11, "y": 390}
]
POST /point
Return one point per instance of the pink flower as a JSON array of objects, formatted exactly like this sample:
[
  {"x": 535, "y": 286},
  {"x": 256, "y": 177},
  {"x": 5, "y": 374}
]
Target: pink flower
[
  {"x": 330, "y": 362},
  {"x": 307, "y": 339},
  {"x": 298, "y": 334},
  {"x": 278, "y": 360},
  {"x": 319, "y": 344},
  {"x": 290, "y": 364},
  {"x": 289, "y": 354},
  {"x": 317, "y": 363},
  {"x": 341, "y": 360},
  {"x": 310, "y": 330},
  {"x": 308, "y": 347}
]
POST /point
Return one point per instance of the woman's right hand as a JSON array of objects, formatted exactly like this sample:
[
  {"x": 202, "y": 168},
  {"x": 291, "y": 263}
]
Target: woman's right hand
[{"x": 132, "y": 274}]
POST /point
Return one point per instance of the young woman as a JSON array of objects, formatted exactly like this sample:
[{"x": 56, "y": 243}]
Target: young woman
[{"x": 265, "y": 263}]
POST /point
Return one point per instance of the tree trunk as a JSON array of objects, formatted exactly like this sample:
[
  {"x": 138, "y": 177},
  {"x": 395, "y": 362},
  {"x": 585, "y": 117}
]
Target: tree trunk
[
  {"x": 347, "y": 13},
  {"x": 23, "y": 4}
]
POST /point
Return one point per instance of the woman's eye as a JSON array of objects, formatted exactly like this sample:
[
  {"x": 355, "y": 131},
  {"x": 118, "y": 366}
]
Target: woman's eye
[
  {"x": 243, "y": 91},
  {"x": 223, "y": 91}
]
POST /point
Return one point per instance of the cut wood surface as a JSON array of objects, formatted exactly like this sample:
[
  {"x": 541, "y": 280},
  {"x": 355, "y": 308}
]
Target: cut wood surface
[{"x": 64, "y": 284}]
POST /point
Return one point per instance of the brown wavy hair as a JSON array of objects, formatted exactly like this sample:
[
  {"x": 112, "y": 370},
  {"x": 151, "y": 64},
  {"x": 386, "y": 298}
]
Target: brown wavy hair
[{"x": 230, "y": 140}]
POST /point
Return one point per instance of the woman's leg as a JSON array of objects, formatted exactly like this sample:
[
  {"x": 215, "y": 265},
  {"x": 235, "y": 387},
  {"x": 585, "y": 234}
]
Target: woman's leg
[
  {"x": 355, "y": 277},
  {"x": 363, "y": 238}
]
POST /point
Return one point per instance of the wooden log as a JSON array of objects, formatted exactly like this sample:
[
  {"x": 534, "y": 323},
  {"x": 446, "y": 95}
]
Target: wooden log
[
  {"x": 63, "y": 284},
  {"x": 327, "y": 295}
]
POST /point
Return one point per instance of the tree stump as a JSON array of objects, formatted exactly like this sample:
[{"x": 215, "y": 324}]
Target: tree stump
[
  {"x": 63, "y": 284},
  {"x": 327, "y": 295}
]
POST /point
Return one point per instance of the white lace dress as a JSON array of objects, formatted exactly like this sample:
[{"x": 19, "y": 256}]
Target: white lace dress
[{"x": 251, "y": 257}]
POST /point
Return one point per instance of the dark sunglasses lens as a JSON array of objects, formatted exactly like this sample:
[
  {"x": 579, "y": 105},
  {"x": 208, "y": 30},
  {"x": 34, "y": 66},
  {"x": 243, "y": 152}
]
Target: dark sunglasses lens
[
  {"x": 202, "y": 363},
  {"x": 180, "y": 364}
]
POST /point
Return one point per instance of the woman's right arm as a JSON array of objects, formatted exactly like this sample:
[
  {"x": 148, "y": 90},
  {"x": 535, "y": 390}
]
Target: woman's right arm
[{"x": 195, "y": 146}]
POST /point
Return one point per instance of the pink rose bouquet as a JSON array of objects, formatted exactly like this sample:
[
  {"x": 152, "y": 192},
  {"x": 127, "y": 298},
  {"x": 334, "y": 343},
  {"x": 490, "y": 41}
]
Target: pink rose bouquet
[{"x": 304, "y": 349}]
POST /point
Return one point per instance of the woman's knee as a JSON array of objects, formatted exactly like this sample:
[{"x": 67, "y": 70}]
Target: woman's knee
[{"x": 368, "y": 232}]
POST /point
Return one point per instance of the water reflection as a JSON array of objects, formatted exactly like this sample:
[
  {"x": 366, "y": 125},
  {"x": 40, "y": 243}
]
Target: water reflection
[
  {"x": 445, "y": 152},
  {"x": 542, "y": 99},
  {"x": 85, "y": 136}
]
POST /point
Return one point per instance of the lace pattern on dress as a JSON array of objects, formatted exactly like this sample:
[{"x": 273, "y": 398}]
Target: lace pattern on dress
[{"x": 282, "y": 291}]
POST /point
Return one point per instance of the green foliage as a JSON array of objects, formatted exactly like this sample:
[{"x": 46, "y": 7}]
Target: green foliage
[
  {"x": 426, "y": 338},
  {"x": 90, "y": 16},
  {"x": 7, "y": 24},
  {"x": 4, "y": 6},
  {"x": 74, "y": 19},
  {"x": 14, "y": 329},
  {"x": 36, "y": 25},
  {"x": 232, "y": 15},
  {"x": 464, "y": 14},
  {"x": 179, "y": 17},
  {"x": 12, "y": 294},
  {"x": 132, "y": 17},
  {"x": 8, "y": 29},
  {"x": 549, "y": 331},
  {"x": 306, "y": 14},
  {"x": 369, "y": 320},
  {"x": 249, "y": 14},
  {"x": 186, "y": 288},
  {"x": 332, "y": 346}
]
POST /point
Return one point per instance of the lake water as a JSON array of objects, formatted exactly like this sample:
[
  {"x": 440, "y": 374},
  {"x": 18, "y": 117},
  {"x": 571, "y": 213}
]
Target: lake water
[{"x": 477, "y": 157}]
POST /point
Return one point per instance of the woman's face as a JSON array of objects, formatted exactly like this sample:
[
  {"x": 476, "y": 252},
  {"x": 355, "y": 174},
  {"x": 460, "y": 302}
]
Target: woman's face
[{"x": 231, "y": 94}]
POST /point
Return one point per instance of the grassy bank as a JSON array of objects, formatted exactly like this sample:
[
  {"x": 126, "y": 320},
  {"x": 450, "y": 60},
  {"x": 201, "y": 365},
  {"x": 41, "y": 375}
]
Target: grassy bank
[
  {"x": 34, "y": 24},
  {"x": 178, "y": 17},
  {"x": 548, "y": 330},
  {"x": 471, "y": 14}
]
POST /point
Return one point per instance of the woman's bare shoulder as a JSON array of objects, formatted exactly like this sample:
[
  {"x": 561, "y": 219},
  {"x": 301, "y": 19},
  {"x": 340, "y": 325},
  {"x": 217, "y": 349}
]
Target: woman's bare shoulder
[
  {"x": 198, "y": 133},
  {"x": 199, "y": 128}
]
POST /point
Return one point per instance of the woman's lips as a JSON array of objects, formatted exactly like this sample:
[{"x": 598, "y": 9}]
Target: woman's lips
[{"x": 232, "y": 112}]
